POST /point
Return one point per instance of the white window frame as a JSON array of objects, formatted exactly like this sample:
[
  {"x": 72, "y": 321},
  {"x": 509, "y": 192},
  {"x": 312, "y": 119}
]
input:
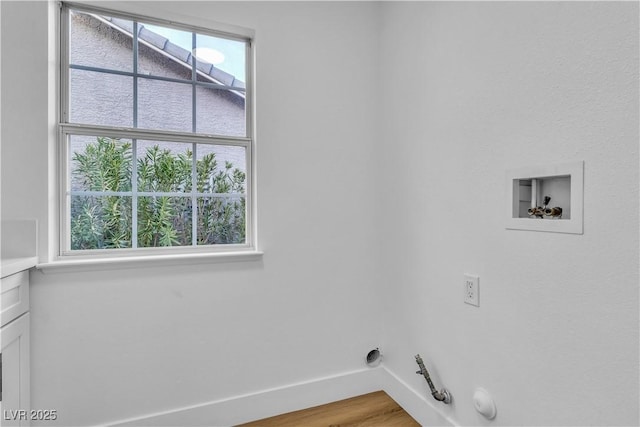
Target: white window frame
[{"x": 66, "y": 129}]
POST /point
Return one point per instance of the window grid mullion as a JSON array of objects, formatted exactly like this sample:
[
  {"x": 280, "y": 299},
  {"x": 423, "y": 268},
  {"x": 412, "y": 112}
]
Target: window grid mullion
[
  {"x": 194, "y": 78},
  {"x": 194, "y": 197},
  {"x": 168, "y": 136},
  {"x": 135, "y": 74},
  {"x": 134, "y": 193},
  {"x": 210, "y": 85},
  {"x": 194, "y": 161},
  {"x": 134, "y": 144},
  {"x": 153, "y": 193}
]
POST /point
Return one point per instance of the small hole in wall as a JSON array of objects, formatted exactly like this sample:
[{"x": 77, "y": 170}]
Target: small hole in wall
[{"x": 373, "y": 357}]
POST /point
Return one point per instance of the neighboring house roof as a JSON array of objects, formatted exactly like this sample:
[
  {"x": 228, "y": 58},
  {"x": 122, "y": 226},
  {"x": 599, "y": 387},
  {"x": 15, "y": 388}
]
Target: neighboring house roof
[{"x": 174, "y": 52}]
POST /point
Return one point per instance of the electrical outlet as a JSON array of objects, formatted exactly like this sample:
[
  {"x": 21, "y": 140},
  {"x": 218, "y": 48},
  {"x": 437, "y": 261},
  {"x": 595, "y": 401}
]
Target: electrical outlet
[{"x": 472, "y": 290}]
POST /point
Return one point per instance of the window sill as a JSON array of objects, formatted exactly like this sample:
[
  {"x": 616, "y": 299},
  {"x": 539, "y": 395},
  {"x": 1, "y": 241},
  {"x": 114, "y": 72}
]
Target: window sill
[{"x": 93, "y": 264}]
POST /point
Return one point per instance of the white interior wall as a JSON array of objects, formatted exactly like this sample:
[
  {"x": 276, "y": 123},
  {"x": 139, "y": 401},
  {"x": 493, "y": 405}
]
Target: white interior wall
[
  {"x": 25, "y": 86},
  {"x": 466, "y": 91},
  {"x": 119, "y": 343},
  {"x": 494, "y": 86}
]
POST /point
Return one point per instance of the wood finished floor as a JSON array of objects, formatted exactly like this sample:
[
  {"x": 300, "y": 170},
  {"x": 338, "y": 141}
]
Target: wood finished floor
[{"x": 375, "y": 409}]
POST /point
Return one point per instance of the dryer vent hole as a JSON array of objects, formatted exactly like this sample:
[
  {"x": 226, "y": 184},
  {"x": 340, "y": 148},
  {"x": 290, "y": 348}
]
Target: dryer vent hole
[{"x": 373, "y": 357}]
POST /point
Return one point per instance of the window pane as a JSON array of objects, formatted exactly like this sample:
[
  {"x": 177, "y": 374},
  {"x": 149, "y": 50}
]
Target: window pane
[
  {"x": 164, "y": 52},
  {"x": 178, "y": 190},
  {"x": 100, "y": 222},
  {"x": 164, "y": 221},
  {"x": 221, "y": 220},
  {"x": 164, "y": 166},
  {"x": 221, "y": 169},
  {"x": 100, "y": 98},
  {"x": 100, "y": 41},
  {"x": 100, "y": 163},
  {"x": 220, "y": 112},
  {"x": 164, "y": 105},
  {"x": 227, "y": 57}
]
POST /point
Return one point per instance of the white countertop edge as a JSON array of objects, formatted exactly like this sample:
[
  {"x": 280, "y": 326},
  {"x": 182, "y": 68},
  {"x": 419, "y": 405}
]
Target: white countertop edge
[{"x": 11, "y": 266}]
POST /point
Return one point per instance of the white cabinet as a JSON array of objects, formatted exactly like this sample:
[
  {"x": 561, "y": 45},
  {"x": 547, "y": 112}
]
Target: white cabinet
[
  {"x": 19, "y": 254},
  {"x": 14, "y": 340}
]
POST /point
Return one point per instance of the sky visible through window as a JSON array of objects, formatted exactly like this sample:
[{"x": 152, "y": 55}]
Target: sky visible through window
[{"x": 227, "y": 55}]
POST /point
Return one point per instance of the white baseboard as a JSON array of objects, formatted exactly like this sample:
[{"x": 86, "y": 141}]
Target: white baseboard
[
  {"x": 422, "y": 407},
  {"x": 292, "y": 397}
]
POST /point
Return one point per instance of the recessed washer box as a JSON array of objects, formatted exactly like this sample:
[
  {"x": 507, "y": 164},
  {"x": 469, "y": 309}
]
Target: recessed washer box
[{"x": 527, "y": 189}]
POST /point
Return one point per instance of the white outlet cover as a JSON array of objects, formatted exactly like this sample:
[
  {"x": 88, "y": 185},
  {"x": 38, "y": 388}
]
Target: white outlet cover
[{"x": 471, "y": 287}]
